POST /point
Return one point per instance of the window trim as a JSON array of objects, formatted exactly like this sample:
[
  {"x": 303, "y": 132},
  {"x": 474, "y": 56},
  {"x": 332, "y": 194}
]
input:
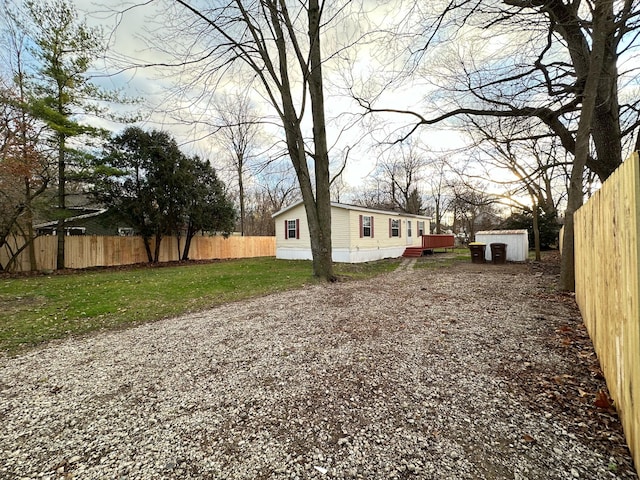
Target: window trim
[
  {"x": 393, "y": 228},
  {"x": 295, "y": 229},
  {"x": 362, "y": 220}
]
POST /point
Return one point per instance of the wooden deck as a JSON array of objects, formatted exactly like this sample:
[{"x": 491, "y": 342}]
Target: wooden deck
[{"x": 429, "y": 244}]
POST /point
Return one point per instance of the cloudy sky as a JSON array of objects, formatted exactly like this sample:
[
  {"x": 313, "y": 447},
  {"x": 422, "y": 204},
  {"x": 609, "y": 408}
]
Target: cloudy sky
[
  {"x": 135, "y": 36},
  {"x": 148, "y": 31}
]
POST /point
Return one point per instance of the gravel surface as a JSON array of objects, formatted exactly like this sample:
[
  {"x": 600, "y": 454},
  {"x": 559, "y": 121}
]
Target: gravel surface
[{"x": 470, "y": 372}]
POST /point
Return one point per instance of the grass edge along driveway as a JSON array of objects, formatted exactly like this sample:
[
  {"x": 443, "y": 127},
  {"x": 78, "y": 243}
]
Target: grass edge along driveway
[{"x": 40, "y": 308}]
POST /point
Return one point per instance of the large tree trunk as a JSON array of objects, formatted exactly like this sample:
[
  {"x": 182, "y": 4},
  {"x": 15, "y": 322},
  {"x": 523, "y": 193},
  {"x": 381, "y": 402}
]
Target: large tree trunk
[
  {"x": 29, "y": 223},
  {"x": 321, "y": 245},
  {"x": 187, "y": 247},
  {"x": 601, "y": 26},
  {"x": 62, "y": 180},
  {"x": 241, "y": 193},
  {"x": 604, "y": 118},
  {"x": 606, "y": 125},
  {"x": 33, "y": 263},
  {"x": 156, "y": 250},
  {"x": 187, "y": 241},
  {"x": 147, "y": 248},
  {"x": 60, "y": 248},
  {"x": 536, "y": 231},
  {"x": 271, "y": 44},
  {"x": 317, "y": 203}
]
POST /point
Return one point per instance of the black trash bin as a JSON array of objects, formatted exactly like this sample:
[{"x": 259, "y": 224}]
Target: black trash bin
[
  {"x": 477, "y": 252},
  {"x": 499, "y": 252}
]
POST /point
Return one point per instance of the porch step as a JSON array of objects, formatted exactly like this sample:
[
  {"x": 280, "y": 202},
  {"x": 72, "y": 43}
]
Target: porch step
[{"x": 413, "y": 252}]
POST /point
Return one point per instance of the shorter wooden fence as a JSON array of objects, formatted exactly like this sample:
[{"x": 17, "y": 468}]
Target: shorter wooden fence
[
  {"x": 607, "y": 256},
  {"x": 98, "y": 251}
]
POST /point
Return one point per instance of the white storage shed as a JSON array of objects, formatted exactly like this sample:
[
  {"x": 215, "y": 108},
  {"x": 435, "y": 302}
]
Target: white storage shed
[{"x": 517, "y": 242}]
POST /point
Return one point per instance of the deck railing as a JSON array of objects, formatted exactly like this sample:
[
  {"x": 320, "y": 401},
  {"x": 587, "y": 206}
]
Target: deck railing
[{"x": 429, "y": 242}]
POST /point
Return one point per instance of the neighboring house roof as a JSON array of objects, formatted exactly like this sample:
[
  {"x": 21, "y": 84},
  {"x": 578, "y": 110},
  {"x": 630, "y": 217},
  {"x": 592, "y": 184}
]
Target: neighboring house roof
[
  {"x": 91, "y": 214},
  {"x": 91, "y": 222},
  {"x": 358, "y": 208}
]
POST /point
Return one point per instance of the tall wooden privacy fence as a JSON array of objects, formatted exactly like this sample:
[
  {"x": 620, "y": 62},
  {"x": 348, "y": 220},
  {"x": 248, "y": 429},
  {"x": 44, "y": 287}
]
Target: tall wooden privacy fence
[
  {"x": 607, "y": 253},
  {"x": 95, "y": 251}
]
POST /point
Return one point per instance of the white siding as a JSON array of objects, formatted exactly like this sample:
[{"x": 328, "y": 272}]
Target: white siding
[
  {"x": 347, "y": 244},
  {"x": 341, "y": 229},
  {"x": 293, "y": 248},
  {"x": 381, "y": 237}
]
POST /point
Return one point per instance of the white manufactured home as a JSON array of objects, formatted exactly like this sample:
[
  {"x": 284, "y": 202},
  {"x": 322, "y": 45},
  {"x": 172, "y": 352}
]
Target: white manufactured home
[{"x": 358, "y": 234}]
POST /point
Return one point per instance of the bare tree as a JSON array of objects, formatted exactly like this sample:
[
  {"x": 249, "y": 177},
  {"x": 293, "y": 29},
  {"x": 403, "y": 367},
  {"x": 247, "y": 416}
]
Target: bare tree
[
  {"x": 397, "y": 182},
  {"x": 439, "y": 191},
  {"x": 24, "y": 175},
  {"x": 542, "y": 73},
  {"x": 279, "y": 41},
  {"x": 240, "y": 128},
  {"x": 275, "y": 188},
  {"x": 339, "y": 189},
  {"x": 474, "y": 209},
  {"x": 25, "y": 170},
  {"x": 521, "y": 163},
  {"x": 370, "y": 195},
  {"x": 597, "y": 79}
]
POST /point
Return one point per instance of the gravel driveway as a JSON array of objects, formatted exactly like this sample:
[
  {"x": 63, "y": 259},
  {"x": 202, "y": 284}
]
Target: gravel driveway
[{"x": 470, "y": 372}]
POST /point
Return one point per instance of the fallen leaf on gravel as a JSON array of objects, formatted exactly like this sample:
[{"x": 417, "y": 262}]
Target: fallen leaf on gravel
[
  {"x": 528, "y": 438},
  {"x": 560, "y": 379},
  {"x": 602, "y": 400}
]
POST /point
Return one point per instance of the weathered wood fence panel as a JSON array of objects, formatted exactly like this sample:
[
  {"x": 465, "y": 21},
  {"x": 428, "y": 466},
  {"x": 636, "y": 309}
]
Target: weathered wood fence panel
[
  {"x": 97, "y": 251},
  {"x": 607, "y": 253},
  {"x": 45, "y": 253}
]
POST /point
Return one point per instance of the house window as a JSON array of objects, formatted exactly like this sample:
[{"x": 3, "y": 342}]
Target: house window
[
  {"x": 409, "y": 232},
  {"x": 394, "y": 227},
  {"x": 420, "y": 228},
  {"x": 68, "y": 231},
  {"x": 73, "y": 231},
  {"x": 366, "y": 226},
  {"x": 45, "y": 231},
  {"x": 292, "y": 229}
]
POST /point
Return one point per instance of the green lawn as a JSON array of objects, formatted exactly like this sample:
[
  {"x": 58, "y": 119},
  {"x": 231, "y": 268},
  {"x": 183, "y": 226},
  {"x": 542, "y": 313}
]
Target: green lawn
[
  {"x": 41, "y": 308},
  {"x": 446, "y": 259}
]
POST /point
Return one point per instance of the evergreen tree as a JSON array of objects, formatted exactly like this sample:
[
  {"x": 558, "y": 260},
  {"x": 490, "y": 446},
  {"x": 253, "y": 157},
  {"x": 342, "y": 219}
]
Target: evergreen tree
[
  {"x": 207, "y": 207},
  {"x": 63, "y": 47},
  {"x": 146, "y": 180}
]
